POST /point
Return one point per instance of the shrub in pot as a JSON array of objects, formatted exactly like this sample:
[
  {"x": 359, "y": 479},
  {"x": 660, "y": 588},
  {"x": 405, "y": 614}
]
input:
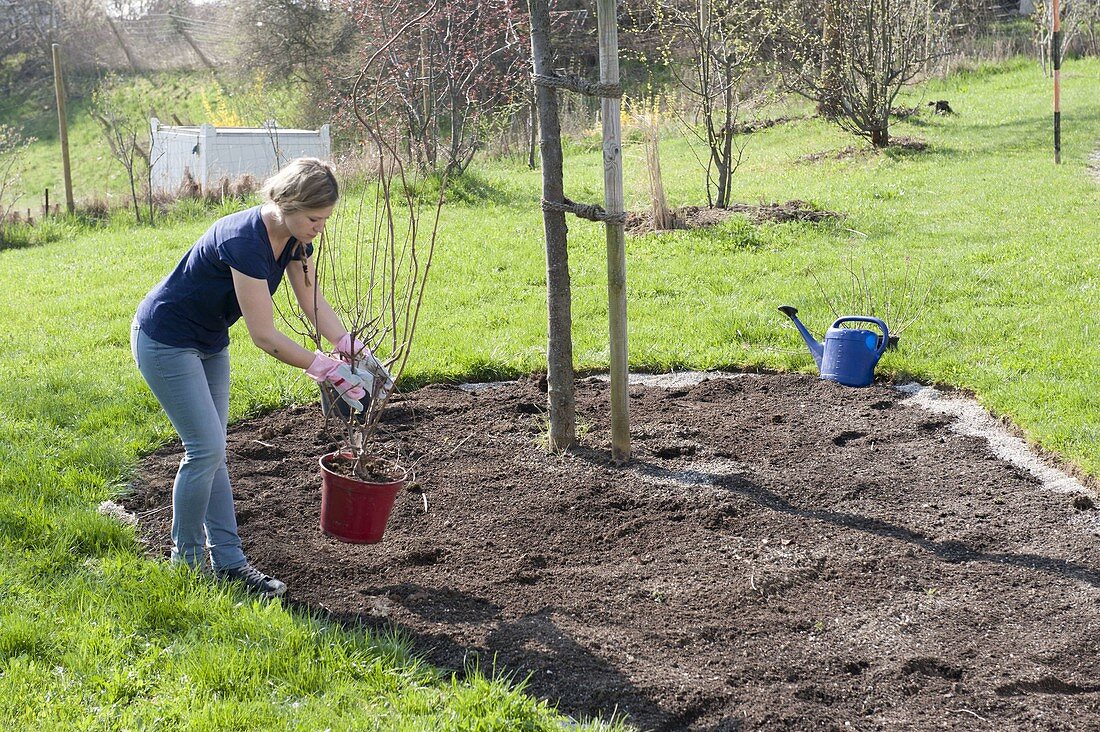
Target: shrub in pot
[{"x": 372, "y": 262}]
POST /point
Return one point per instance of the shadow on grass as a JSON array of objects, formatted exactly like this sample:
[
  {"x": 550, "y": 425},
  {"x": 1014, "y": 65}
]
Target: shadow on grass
[{"x": 531, "y": 652}]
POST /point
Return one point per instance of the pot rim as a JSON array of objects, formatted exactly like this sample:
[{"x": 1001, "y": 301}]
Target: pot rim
[{"x": 324, "y": 468}]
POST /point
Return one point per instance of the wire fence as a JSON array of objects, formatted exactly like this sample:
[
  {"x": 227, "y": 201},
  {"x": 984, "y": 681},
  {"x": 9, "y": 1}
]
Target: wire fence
[{"x": 154, "y": 42}]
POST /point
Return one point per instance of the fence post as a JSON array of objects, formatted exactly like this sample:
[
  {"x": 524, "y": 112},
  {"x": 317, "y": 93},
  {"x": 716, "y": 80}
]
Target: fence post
[
  {"x": 326, "y": 142},
  {"x": 1056, "y": 57},
  {"x": 62, "y": 126},
  {"x": 122, "y": 42},
  {"x": 206, "y": 141},
  {"x": 191, "y": 42}
]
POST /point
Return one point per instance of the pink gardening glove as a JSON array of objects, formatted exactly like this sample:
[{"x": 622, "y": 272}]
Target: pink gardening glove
[
  {"x": 337, "y": 373},
  {"x": 365, "y": 364}
]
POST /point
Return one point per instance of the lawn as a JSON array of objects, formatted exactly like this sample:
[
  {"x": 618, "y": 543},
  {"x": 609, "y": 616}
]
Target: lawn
[{"x": 94, "y": 636}]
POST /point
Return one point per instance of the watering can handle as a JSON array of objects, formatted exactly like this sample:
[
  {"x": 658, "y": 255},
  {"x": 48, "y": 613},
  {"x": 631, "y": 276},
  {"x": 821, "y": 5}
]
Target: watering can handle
[{"x": 866, "y": 319}]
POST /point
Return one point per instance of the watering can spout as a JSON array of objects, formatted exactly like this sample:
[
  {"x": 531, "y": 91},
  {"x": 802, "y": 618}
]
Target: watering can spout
[{"x": 816, "y": 349}]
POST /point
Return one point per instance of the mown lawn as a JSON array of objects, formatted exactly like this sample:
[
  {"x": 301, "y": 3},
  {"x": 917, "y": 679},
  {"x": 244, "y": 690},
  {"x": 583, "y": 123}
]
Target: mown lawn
[{"x": 94, "y": 636}]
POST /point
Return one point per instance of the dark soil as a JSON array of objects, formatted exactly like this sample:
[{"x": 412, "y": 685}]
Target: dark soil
[
  {"x": 901, "y": 142},
  {"x": 908, "y": 143},
  {"x": 759, "y": 125},
  {"x": 782, "y": 553},
  {"x": 696, "y": 217},
  {"x": 905, "y": 112},
  {"x": 845, "y": 153},
  {"x": 371, "y": 470}
]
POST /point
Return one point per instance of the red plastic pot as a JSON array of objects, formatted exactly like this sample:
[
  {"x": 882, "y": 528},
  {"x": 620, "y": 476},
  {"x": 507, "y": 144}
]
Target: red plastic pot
[{"x": 353, "y": 510}]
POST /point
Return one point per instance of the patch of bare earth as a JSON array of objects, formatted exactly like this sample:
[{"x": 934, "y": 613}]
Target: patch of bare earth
[
  {"x": 697, "y": 217},
  {"x": 908, "y": 143},
  {"x": 781, "y": 553},
  {"x": 902, "y": 142},
  {"x": 758, "y": 125},
  {"x": 846, "y": 153}
]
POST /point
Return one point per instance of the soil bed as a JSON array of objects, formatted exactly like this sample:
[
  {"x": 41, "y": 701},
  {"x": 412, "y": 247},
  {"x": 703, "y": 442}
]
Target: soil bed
[{"x": 782, "y": 553}]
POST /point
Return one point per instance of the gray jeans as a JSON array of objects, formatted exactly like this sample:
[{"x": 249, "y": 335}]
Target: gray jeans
[{"x": 193, "y": 389}]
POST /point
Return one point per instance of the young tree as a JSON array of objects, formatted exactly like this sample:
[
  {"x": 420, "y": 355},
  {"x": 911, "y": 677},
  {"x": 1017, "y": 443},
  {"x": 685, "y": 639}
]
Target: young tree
[
  {"x": 559, "y": 352},
  {"x": 12, "y": 147},
  {"x": 127, "y": 138},
  {"x": 858, "y": 58},
  {"x": 373, "y": 263},
  {"x": 711, "y": 47}
]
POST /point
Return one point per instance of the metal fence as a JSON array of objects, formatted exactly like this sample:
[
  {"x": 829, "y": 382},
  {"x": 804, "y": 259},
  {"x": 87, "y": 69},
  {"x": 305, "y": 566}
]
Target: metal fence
[{"x": 153, "y": 42}]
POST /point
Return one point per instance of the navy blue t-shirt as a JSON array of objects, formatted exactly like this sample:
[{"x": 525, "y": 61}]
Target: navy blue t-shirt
[{"x": 194, "y": 306}]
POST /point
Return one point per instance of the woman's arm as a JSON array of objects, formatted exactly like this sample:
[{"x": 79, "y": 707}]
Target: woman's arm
[
  {"x": 312, "y": 302},
  {"x": 259, "y": 315}
]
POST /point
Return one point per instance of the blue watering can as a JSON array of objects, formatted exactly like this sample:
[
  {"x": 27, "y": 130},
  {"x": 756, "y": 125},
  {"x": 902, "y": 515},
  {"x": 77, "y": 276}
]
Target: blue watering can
[{"x": 848, "y": 355}]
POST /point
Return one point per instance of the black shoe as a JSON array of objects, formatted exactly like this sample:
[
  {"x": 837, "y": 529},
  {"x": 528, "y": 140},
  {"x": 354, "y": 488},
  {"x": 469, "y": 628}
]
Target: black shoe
[{"x": 253, "y": 579}]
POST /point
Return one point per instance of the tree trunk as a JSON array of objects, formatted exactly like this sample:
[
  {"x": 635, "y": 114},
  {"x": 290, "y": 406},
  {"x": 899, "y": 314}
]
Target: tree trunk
[
  {"x": 880, "y": 137},
  {"x": 559, "y": 352},
  {"x": 725, "y": 169},
  {"x": 828, "y": 105},
  {"x": 534, "y": 120}
]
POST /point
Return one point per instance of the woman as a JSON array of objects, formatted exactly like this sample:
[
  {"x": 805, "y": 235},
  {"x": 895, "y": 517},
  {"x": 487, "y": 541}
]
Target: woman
[{"x": 180, "y": 339}]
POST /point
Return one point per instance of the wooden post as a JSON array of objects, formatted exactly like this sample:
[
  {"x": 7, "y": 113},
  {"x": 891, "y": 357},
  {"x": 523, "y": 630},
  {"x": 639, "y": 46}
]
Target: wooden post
[
  {"x": 46, "y": 208},
  {"x": 559, "y": 351},
  {"x": 62, "y": 126},
  {"x": 1056, "y": 57},
  {"x": 122, "y": 42},
  {"x": 607, "y": 25},
  {"x": 194, "y": 46},
  {"x": 207, "y": 134}
]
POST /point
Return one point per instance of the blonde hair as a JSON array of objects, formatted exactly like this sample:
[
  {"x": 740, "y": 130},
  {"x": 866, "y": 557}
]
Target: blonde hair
[{"x": 303, "y": 184}]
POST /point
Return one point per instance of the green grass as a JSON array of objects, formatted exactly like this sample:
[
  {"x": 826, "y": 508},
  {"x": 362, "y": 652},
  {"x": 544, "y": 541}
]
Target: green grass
[{"x": 93, "y": 636}]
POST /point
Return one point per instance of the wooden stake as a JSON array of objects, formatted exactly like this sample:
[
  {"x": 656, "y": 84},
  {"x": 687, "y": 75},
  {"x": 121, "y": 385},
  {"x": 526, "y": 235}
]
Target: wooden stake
[
  {"x": 195, "y": 47},
  {"x": 607, "y": 25},
  {"x": 1056, "y": 57},
  {"x": 122, "y": 42},
  {"x": 62, "y": 126}
]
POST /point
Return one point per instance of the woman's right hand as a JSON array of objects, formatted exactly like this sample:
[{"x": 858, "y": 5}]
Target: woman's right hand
[
  {"x": 376, "y": 379},
  {"x": 337, "y": 373}
]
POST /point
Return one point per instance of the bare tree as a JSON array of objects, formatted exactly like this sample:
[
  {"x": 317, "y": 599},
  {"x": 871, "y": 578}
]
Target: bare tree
[
  {"x": 448, "y": 82},
  {"x": 865, "y": 53},
  {"x": 711, "y": 47},
  {"x": 126, "y": 138},
  {"x": 31, "y": 27},
  {"x": 559, "y": 354},
  {"x": 372, "y": 264},
  {"x": 1080, "y": 27},
  {"x": 292, "y": 39},
  {"x": 12, "y": 147}
]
